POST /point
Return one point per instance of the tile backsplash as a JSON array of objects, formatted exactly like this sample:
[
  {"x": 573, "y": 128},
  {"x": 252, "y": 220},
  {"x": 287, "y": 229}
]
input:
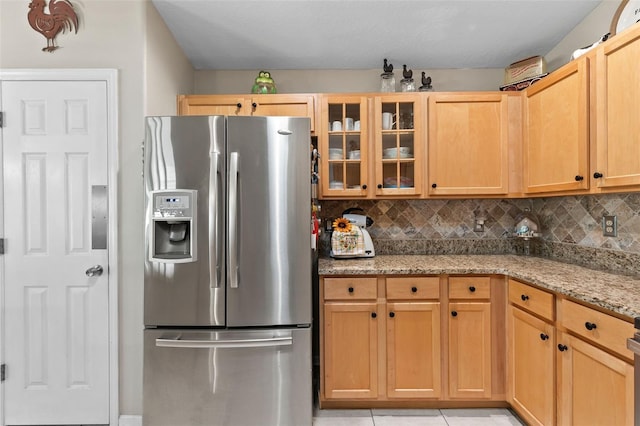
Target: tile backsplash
[{"x": 570, "y": 226}]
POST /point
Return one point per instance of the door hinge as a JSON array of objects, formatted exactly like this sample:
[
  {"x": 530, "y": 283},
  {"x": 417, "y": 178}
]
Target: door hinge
[
  {"x": 3, "y": 372},
  {"x": 1, "y": 245},
  {"x": 1, "y": 119}
]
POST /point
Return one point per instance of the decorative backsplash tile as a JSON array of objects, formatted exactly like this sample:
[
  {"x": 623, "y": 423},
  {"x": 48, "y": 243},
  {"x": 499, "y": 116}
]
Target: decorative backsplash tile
[{"x": 570, "y": 226}]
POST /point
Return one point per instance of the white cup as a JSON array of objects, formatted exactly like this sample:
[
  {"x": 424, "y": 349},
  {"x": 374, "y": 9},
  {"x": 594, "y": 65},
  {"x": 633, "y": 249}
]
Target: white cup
[
  {"x": 348, "y": 124},
  {"x": 387, "y": 121},
  {"x": 356, "y": 125},
  {"x": 336, "y": 126}
]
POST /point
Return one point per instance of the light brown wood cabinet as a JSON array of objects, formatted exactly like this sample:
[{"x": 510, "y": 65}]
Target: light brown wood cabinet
[
  {"x": 470, "y": 340},
  {"x": 344, "y": 151},
  {"x": 468, "y": 144},
  {"x": 617, "y": 105},
  {"x": 556, "y": 131},
  {"x": 350, "y": 338},
  {"x": 413, "y": 337},
  {"x": 573, "y": 369},
  {"x": 294, "y": 105},
  {"x": 531, "y": 354}
]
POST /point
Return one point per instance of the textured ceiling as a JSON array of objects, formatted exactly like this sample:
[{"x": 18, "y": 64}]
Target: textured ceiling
[{"x": 358, "y": 34}]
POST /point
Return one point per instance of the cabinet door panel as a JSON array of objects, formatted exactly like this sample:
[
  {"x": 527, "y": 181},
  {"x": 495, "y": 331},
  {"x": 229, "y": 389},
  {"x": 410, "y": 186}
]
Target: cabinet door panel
[
  {"x": 470, "y": 350},
  {"x": 213, "y": 105},
  {"x": 595, "y": 388},
  {"x": 413, "y": 350},
  {"x": 531, "y": 367},
  {"x": 350, "y": 350},
  {"x": 468, "y": 144},
  {"x": 284, "y": 105},
  {"x": 556, "y": 136},
  {"x": 618, "y": 105}
]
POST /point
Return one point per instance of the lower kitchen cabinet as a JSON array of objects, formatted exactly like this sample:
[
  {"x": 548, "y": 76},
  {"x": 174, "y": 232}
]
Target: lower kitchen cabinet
[
  {"x": 470, "y": 350},
  {"x": 531, "y": 367},
  {"x": 594, "y": 387},
  {"x": 350, "y": 350},
  {"x": 413, "y": 350}
]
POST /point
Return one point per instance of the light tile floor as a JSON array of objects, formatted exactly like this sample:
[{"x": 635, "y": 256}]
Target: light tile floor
[{"x": 443, "y": 417}]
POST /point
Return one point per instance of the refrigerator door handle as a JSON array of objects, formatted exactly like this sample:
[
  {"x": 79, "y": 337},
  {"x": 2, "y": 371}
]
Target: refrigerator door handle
[
  {"x": 214, "y": 222},
  {"x": 233, "y": 219},
  {"x": 216, "y": 344}
]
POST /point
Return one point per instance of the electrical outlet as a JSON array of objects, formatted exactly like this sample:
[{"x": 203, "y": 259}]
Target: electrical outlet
[{"x": 609, "y": 226}]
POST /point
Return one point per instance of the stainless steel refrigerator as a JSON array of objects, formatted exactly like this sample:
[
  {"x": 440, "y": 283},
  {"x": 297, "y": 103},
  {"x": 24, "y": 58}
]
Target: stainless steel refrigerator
[{"x": 227, "y": 273}]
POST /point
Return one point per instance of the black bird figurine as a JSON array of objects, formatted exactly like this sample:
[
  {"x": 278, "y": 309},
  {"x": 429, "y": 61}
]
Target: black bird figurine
[
  {"x": 407, "y": 74},
  {"x": 426, "y": 83},
  {"x": 388, "y": 68}
]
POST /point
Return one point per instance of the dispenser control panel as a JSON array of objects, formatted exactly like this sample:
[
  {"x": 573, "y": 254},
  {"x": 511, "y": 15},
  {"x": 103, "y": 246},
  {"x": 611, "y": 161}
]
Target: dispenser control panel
[{"x": 174, "y": 226}]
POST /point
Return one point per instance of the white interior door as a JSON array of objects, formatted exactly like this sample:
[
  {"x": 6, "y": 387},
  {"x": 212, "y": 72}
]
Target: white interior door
[{"x": 56, "y": 316}]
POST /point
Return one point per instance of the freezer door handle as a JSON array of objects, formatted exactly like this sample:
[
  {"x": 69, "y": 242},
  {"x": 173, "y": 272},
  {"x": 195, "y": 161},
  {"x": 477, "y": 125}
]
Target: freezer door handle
[
  {"x": 214, "y": 222},
  {"x": 233, "y": 219},
  {"x": 216, "y": 344}
]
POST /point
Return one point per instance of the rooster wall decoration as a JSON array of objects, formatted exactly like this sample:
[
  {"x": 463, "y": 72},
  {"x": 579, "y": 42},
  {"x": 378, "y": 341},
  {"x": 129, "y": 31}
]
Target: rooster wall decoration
[{"x": 61, "y": 17}]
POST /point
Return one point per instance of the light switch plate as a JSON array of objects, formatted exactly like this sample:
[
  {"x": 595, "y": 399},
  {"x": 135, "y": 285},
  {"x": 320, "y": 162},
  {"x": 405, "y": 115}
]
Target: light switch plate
[{"x": 609, "y": 226}]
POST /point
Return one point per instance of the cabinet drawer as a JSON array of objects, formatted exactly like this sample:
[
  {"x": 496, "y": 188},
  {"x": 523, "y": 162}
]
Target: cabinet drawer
[
  {"x": 535, "y": 300},
  {"x": 413, "y": 288},
  {"x": 350, "y": 288},
  {"x": 469, "y": 287},
  {"x": 608, "y": 331}
]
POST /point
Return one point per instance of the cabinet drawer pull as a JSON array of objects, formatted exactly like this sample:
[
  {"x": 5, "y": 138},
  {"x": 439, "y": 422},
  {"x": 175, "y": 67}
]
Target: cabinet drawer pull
[
  {"x": 562, "y": 347},
  {"x": 454, "y": 314},
  {"x": 373, "y": 315},
  {"x": 590, "y": 326},
  {"x": 350, "y": 289},
  {"x": 544, "y": 336},
  {"x": 472, "y": 289},
  {"x": 524, "y": 297},
  {"x": 414, "y": 289},
  {"x": 597, "y": 175},
  {"x": 392, "y": 314}
]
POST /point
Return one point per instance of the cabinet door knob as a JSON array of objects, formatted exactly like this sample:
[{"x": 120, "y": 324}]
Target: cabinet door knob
[
  {"x": 350, "y": 289},
  {"x": 579, "y": 178},
  {"x": 392, "y": 314},
  {"x": 544, "y": 336},
  {"x": 562, "y": 347},
  {"x": 434, "y": 185},
  {"x": 597, "y": 175},
  {"x": 239, "y": 105},
  {"x": 454, "y": 314},
  {"x": 524, "y": 297},
  {"x": 373, "y": 315},
  {"x": 379, "y": 186},
  {"x": 255, "y": 105},
  {"x": 364, "y": 186},
  {"x": 472, "y": 289},
  {"x": 590, "y": 326},
  {"x": 414, "y": 289}
]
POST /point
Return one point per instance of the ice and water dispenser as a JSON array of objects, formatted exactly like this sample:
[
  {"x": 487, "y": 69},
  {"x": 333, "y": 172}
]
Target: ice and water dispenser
[{"x": 173, "y": 221}]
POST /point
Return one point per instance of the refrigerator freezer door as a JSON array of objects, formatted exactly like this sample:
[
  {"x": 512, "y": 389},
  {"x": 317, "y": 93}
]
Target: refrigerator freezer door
[
  {"x": 187, "y": 153},
  {"x": 238, "y": 378},
  {"x": 269, "y": 214}
]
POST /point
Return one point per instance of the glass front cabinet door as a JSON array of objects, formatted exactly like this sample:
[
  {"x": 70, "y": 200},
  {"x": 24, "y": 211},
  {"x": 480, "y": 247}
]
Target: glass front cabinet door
[
  {"x": 343, "y": 146},
  {"x": 398, "y": 125}
]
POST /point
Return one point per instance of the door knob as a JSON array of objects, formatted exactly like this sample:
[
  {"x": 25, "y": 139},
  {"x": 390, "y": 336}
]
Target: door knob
[{"x": 94, "y": 271}]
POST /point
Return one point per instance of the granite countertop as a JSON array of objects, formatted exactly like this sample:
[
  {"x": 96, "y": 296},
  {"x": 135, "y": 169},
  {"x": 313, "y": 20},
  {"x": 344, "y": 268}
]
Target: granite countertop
[{"x": 617, "y": 293}]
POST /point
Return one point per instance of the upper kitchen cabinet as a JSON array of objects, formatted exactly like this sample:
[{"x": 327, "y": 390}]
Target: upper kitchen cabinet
[
  {"x": 343, "y": 144},
  {"x": 468, "y": 144},
  {"x": 556, "y": 131},
  {"x": 617, "y": 106},
  {"x": 398, "y": 127},
  {"x": 298, "y": 105}
]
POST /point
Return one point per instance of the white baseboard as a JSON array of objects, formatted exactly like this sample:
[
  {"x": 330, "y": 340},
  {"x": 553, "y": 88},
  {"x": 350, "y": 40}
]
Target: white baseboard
[{"x": 130, "y": 421}]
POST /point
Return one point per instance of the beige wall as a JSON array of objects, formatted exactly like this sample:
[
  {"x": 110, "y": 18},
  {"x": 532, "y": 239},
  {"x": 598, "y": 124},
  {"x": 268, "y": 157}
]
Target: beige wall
[{"x": 127, "y": 35}]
